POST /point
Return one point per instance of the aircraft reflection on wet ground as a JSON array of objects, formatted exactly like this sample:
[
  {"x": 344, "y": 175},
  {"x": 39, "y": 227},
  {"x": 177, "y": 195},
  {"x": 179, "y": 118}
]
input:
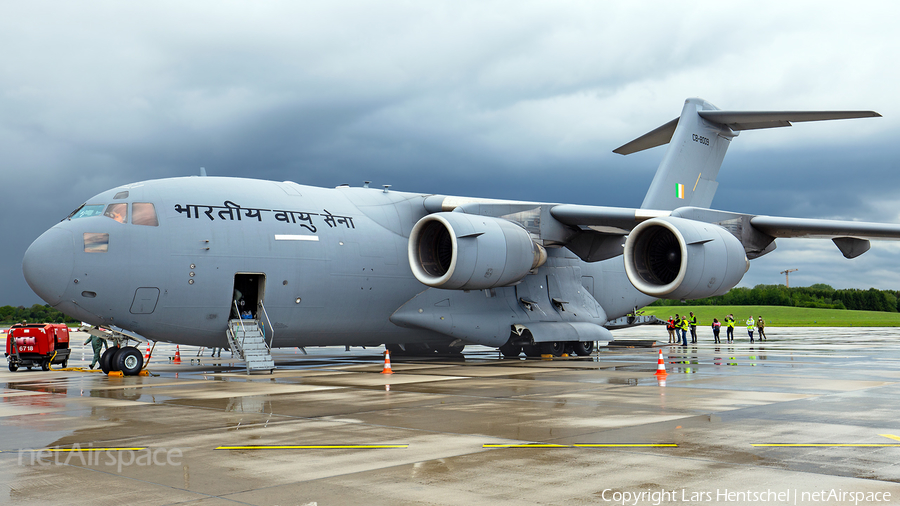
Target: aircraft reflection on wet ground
[{"x": 327, "y": 427}]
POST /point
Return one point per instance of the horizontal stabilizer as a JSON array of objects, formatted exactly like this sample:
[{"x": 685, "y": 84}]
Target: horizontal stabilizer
[
  {"x": 737, "y": 120},
  {"x": 658, "y": 137}
]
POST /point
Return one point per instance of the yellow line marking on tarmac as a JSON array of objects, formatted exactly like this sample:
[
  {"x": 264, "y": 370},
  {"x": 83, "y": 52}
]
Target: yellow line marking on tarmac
[
  {"x": 583, "y": 445},
  {"x": 311, "y": 447},
  {"x": 890, "y": 436}
]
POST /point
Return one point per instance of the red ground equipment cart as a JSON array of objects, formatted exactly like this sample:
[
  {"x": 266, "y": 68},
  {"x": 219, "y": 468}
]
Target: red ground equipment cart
[{"x": 37, "y": 344}]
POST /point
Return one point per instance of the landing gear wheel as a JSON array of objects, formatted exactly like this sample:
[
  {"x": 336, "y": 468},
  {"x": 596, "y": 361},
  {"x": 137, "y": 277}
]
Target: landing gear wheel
[
  {"x": 13, "y": 367},
  {"x": 128, "y": 360},
  {"x": 45, "y": 365},
  {"x": 106, "y": 360},
  {"x": 555, "y": 348},
  {"x": 532, "y": 350},
  {"x": 510, "y": 350},
  {"x": 584, "y": 348}
]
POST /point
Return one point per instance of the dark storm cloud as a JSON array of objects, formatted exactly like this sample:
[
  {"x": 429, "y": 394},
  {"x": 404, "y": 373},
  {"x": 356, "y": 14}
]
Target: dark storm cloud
[{"x": 492, "y": 99}]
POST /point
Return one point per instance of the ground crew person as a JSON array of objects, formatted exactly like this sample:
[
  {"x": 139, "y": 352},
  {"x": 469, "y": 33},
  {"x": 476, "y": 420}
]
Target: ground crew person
[
  {"x": 97, "y": 343},
  {"x": 729, "y": 327},
  {"x": 693, "y": 324},
  {"x": 716, "y": 327},
  {"x": 670, "y": 326},
  {"x": 684, "y": 330},
  {"x": 750, "y": 326},
  {"x": 760, "y": 326},
  {"x": 677, "y": 328}
]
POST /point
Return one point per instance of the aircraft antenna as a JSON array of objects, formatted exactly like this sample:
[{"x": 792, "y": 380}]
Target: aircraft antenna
[{"x": 786, "y": 273}]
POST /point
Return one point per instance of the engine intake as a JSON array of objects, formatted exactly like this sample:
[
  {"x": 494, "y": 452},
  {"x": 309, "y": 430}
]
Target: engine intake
[
  {"x": 458, "y": 251},
  {"x": 676, "y": 258}
]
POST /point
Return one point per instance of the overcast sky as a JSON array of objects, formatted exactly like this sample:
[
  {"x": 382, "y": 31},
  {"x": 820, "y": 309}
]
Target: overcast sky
[{"x": 507, "y": 99}]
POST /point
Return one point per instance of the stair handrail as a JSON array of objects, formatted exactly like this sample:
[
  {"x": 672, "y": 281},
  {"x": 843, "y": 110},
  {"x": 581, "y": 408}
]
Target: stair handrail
[
  {"x": 233, "y": 342},
  {"x": 241, "y": 319},
  {"x": 271, "y": 328}
]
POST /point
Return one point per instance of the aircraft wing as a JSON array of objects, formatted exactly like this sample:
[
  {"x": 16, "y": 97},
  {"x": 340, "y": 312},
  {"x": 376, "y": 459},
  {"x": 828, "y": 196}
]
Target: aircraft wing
[
  {"x": 756, "y": 233},
  {"x": 799, "y": 227}
]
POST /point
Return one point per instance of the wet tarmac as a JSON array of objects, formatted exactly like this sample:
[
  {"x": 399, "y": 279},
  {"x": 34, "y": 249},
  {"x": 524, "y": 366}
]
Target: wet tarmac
[{"x": 808, "y": 417}]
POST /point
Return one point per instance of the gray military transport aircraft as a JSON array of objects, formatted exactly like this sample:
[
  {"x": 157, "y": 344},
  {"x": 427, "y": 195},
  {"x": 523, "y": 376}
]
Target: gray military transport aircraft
[{"x": 216, "y": 261}]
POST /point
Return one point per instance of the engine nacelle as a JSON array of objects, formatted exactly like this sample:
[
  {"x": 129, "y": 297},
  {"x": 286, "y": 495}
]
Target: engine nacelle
[
  {"x": 676, "y": 258},
  {"x": 458, "y": 251}
]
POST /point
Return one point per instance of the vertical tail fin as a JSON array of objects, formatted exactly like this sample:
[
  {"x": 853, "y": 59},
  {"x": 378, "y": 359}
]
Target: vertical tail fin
[
  {"x": 687, "y": 174},
  {"x": 698, "y": 140}
]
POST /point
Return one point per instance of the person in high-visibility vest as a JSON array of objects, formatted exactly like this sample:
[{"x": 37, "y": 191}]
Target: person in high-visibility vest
[
  {"x": 693, "y": 325},
  {"x": 670, "y": 326},
  {"x": 677, "y": 323},
  {"x": 684, "y": 330},
  {"x": 729, "y": 327},
  {"x": 750, "y": 326}
]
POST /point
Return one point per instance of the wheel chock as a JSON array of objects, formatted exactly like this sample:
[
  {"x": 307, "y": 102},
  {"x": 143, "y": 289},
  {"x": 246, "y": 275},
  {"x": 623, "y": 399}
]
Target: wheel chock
[
  {"x": 117, "y": 374},
  {"x": 144, "y": 372}
]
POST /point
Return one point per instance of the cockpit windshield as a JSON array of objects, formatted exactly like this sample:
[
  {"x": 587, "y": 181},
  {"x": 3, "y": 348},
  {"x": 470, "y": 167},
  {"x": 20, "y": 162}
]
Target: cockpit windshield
[
  {"x": 143, "y": 213},
  {"x": 118, "y": 212},
  {"x": 86, "y": 211}
]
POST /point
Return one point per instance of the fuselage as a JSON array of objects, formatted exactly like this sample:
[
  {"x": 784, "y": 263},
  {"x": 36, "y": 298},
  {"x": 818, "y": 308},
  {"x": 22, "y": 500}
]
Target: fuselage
[{"x": 163, "y": 258}]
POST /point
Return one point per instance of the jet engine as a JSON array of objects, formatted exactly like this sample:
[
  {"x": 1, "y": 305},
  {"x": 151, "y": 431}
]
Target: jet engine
[
  {"x": 676, "y": 258},
  {"x": 459, "y": 251}
]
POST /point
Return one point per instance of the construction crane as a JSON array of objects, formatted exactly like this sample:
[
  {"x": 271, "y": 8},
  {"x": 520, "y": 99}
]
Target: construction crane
[{"x": 787, "y": 283}]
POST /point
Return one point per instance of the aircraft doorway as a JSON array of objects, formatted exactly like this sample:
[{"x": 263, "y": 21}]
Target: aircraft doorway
[{"x": 249, "y": 293}]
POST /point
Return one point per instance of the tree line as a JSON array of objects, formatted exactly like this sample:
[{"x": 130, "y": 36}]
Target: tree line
[
  {"x": 34, "y": 314},
  {"x": 816, "y": 296}
]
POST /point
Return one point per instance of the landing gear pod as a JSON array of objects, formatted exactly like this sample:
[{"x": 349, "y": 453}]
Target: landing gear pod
[
  {"x": 676, "y": 258},
  {"x": 458, "y": 251}
]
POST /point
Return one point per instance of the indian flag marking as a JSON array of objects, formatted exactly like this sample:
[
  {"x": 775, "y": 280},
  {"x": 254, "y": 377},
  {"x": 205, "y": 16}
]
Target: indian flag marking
[{"x": 679, "y": 191}]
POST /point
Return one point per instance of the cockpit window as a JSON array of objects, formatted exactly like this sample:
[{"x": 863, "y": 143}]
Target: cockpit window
[
  {"x": 144, "y": 213},
  {"x": 86, "y": 211},
  {"x": 118, "y": 212},
  {"x": 121, "y": 195},
  {"x": 96, "y": 242}
]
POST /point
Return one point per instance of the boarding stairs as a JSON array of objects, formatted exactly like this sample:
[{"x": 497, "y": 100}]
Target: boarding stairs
[{"x": 247, "y": 338}]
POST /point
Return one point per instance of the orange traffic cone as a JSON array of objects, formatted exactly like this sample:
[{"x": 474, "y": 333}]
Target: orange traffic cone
[
  {"x": 661, "y": 366},
  {"x": 387, "y": 363},
  {"x": 177, "y": 355}
]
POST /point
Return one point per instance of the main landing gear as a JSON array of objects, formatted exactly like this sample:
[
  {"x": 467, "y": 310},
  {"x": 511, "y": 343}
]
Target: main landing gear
[
  {"x": 127, "y": 359},
  {"x": 514, "y": 347}
]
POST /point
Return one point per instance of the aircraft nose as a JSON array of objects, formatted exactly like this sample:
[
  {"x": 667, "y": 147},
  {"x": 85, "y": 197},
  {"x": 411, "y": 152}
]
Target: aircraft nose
[{"x": 48, "y": 264}]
